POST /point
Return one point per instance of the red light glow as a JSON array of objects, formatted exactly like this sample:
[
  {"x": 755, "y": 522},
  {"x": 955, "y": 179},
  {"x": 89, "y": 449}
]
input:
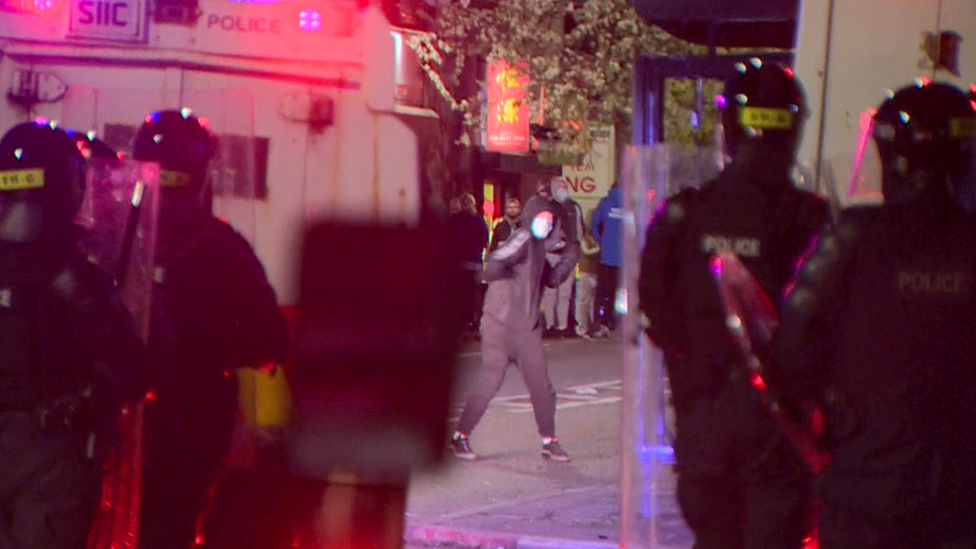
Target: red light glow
[{"x": 46, "y": 8}]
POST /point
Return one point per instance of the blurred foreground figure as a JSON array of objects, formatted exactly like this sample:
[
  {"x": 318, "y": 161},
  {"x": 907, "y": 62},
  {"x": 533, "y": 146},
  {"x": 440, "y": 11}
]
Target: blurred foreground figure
[
  {"x": 880, "y": 330},
  {"x": 70, "y": 353},
  {"x": 216, "y": 313},
  {"x": 512, "y": 324},
  {"x": 741, "y": 483}
]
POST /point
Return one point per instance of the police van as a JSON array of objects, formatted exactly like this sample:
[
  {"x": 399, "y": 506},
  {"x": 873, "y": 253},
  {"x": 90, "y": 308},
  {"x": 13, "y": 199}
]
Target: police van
[
  {"x": 300, "y": 93},
  {"x": 313, "y": 103}
]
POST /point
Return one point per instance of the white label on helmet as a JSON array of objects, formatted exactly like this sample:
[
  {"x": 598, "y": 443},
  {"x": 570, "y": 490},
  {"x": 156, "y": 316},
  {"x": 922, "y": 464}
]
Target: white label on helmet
[
  {"x": 962, "y": 128},
  {"x": 21, "y": 180}
]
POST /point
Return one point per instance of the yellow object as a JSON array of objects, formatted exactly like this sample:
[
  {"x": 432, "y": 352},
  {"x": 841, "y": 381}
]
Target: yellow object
[
  {"x": 20, "y": 180},
  {"x": 265, "y": 398},
  {"x": 169, "y": 178},
  {"x": 962, "y": 128},
  {"x": 767, "y": 119}
]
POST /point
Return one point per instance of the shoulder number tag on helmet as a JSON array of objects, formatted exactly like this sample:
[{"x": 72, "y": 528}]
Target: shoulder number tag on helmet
[
  {"x": 20, "y": 180},
  {"x": 170, "y": 178},
  {"x": 766, "y": 118},
  {"x": 962, "y": 128}
]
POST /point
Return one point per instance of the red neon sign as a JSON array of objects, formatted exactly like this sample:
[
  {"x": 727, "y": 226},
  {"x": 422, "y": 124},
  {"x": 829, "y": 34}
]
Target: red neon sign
[{"x": 508, "y": 109}]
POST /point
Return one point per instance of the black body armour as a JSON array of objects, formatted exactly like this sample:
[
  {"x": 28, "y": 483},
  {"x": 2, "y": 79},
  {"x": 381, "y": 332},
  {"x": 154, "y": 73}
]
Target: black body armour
[
  {"x": 902, "y": 385},
  {"x": 768, "y": 229},
  {"x": 35, "y": 365}
]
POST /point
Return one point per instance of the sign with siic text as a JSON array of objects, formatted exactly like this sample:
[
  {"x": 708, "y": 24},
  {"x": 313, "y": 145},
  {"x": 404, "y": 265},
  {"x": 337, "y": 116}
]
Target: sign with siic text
[{"x": 117, "y": 20}]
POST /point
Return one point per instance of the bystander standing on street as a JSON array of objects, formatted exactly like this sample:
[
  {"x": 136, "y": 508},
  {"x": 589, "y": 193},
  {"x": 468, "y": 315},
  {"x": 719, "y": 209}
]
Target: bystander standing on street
[
  {"x": 557, "y": 301},
  {"x": 507, "y": 225},
  {"x": 607, "y": 229},
  {"x": 589, "y": 268},
  {"x": 467, "y": 235}
]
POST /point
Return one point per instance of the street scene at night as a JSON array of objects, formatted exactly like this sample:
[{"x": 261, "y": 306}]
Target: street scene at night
[{"x": 487, "y": 274}]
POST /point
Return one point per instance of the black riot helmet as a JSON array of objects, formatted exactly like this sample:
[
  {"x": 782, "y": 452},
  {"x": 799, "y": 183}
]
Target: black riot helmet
[
  {"x": 764, "y": 107},
  {"x": 42, "y": 182},
  {"x": 926, "y": 139},
  {"x": 183, "y": 147},
  {"x": 92, "y": 147}
]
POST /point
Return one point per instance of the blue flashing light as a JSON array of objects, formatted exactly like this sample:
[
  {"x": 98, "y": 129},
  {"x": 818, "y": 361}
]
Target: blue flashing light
[{"x": 309, "y": 20}]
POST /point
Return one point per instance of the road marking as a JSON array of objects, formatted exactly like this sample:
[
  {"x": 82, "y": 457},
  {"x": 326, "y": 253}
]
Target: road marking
[{"x": 589, "y": 394}]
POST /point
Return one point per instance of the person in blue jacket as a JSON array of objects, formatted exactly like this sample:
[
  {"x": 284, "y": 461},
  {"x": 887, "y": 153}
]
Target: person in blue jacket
[{"x": 606, "y": 228}]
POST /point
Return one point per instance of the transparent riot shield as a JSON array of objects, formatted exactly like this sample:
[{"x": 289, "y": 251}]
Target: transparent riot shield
[
  {"x": 855, "y": 179},
  {"x": 752, "y": 320},
  {"x": 237, "y": 180},
  {"x": 650, "y": 175},
  {"x": 119, "y": 216}
]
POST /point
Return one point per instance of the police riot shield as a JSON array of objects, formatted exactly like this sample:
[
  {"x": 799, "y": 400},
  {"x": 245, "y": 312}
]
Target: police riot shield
[
  {"x": 855, "y": 180},
  {"x": 119, "y": 215},
  {"x": 752, "y": 320},
  {"x": 650, "y": 175}
]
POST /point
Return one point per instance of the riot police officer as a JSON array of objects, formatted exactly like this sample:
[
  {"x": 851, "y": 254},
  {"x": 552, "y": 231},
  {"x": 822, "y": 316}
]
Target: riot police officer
[
  {"x": 740, "y": 483},
  {"x": 70, "y": 353},
  {"x": 220, "y": 313},
  {"x": 880, "y": 327}
]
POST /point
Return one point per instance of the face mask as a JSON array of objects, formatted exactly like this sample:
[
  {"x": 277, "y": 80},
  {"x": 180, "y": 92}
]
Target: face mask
[
  {"x": 542, "y": 225},
  {"x": 562, "y": 195}
]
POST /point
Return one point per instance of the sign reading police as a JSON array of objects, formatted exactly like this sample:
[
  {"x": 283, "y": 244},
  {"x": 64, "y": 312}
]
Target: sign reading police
[{"x": 119, "y": 20}]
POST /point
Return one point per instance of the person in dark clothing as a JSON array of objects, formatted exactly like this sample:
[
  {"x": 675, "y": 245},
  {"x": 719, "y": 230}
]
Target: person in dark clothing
[
  {"x": 512, "y": 325},
  {"x": 507, "y": 225},
  {"x": 607, "y": 229},
  {"x": 556, "y": 301},
  {"x": 740, "y": 482},
  {"x": 217, "y": 313},
  {"x": 70, "y": 352},
  {"x": 468, "y": 238},
  {"x": 879, "y": 330}
]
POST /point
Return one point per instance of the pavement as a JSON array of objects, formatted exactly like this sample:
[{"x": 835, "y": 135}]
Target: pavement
[{"x": 510, "y": 498}]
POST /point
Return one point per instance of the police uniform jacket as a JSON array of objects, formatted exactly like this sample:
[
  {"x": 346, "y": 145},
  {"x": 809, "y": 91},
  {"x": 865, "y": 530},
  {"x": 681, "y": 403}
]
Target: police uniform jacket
[
  {"x": 767, "y": 226},
  {"x": 880, "y": 327}
]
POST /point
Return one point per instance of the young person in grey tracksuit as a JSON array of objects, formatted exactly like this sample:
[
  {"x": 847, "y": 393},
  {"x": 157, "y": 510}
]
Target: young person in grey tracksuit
[{"x": 511, "y": 322}]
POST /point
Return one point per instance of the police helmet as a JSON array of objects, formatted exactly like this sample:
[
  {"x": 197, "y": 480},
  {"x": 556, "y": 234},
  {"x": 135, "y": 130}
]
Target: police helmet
[
  {"x": 182, "y": 146},
  {"x": 42, "y": 181},
  {"x": 92, "y": 147},
  {"x": 763, "y": 101},
  {"x": 926, "y": 139}
]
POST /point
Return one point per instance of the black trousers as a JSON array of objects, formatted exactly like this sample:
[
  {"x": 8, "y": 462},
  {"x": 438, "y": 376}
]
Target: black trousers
[
  {"x": 605, "y": 296},
  {"x": 49, "y": 491},
  {"x": 186, "y": 444},
  {"x": 741, "y": 485}
]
